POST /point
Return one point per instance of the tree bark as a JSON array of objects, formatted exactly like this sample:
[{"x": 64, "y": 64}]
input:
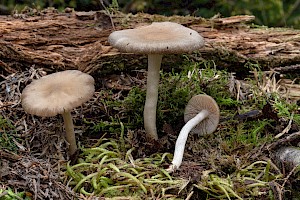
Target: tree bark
[{"x": 78, "y": 40}]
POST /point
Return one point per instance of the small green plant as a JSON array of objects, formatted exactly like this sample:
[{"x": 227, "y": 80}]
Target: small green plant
[
  {"x": 6, "y": 135},
  {"x": 114, "y": 5},
  {"x": 287, "y": 110},
  {"x": 245, "y": 135},
  {"x": 5, "y": 124},
  {"x": 215, "y": 83},
  {"x": 134, "y": 106},
  {"x": 9, "y": 194}
]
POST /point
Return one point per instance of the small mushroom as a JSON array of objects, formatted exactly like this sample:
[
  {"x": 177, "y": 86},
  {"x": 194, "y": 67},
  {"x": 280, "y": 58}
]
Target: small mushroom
[
  {"x": 59, "y": 93},
  {"x": 202, "y": 117},
  {"x": 155, "y": 40}
]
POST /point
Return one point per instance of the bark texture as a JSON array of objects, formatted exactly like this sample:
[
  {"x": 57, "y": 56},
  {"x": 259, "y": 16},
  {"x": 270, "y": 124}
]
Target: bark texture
[{"x": 78, "y": 40}]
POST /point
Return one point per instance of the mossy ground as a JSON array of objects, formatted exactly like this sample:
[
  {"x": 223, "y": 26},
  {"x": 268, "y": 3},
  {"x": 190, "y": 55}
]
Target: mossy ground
[
  {"x": 118, "y": 161},
  {"x": 230, "y": 163}
]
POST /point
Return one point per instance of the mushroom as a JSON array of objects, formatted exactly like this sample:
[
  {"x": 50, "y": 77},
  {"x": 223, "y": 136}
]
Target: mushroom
[
  {"x": 155, "y": 40},
  {"x": 59, "y": 93},
  {"x": 202, "y": 117}
]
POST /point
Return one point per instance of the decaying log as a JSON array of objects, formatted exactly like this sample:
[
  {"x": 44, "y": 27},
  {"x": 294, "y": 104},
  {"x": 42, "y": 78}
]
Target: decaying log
[{"x": 78, "y": 40}]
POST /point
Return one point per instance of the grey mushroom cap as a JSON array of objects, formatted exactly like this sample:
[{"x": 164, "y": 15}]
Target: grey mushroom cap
[
  {"x": 58, "y": 92},
  {"x": 157, "y": 38},
  {"x": 195, "y": 105}
]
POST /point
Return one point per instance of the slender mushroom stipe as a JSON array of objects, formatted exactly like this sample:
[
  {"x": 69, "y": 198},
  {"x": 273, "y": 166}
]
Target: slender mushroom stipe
[{"x": 154, "y": 62}]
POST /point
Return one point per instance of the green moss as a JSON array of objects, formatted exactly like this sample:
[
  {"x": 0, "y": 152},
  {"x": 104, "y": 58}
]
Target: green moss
[
  {"x": 12, "y": 195},
  {"x": 247, "y": 134},
  {"x": 106, "y": 169},
  {"x": 6, "y": 135}
]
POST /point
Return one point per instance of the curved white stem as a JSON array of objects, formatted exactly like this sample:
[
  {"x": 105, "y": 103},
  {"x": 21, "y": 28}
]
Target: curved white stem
[
  {"x": 181, "y": 140},
  {"x": 154, "y": 62},
  {"x": 70, "y": 134}
]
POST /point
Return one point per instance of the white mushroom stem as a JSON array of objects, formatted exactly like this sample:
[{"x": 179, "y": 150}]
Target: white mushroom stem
[
  {"x": 70, "y": 134},
  {"x": 182, "y": 138},
  {"x": 154, "y": 63}
]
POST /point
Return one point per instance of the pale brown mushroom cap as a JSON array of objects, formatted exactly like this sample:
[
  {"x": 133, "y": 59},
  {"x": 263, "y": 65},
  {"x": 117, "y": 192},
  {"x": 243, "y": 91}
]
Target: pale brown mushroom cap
[
  {"x": 58, "y": 92},
  {"x": 195, "y": 105},
  {"x": 157, "y": 38}
]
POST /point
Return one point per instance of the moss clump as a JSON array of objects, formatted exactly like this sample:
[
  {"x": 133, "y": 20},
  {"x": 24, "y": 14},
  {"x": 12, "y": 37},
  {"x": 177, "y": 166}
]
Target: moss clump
[
  {"x": 9, "y": 194},
  {"x": 6, "y": 135},
  {"x": 106, "y": 170},
  {"x": 251, "y": 181}
]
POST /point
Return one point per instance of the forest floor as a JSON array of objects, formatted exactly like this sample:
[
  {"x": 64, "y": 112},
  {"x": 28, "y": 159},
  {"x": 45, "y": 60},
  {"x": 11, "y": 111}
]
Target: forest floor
[
  {"x": 116, "y": 160},
  {"x": 259, "y": 114}
]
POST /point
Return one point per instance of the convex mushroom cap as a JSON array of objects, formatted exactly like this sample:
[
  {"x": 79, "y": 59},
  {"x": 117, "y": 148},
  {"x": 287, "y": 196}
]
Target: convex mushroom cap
[
  {"x": 57, "y": 93},
  {"x": 157, "y": 38},
  {"x": 197, "y": 104}
]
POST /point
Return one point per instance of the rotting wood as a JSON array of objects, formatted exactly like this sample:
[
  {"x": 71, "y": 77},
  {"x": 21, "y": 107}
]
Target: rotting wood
[{"x": 59, "y": 41}]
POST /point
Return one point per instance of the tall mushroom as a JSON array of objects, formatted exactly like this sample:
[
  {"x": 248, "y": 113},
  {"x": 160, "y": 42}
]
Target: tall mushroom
[
  {"x": 202, "y": 117},
  {"x": 155, "y": 40},
  {"x": 59, "y": 93}
]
